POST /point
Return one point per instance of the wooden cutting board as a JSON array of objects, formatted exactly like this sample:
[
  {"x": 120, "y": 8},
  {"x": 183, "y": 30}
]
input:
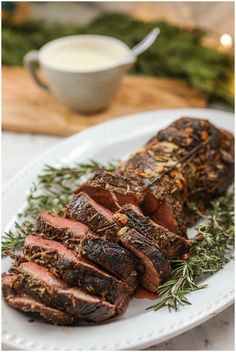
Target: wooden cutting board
[{"x": 27, "y": 108}]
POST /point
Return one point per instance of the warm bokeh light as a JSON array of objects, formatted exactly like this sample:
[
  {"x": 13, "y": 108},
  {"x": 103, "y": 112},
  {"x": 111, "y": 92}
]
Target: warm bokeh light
[{"x": 226, "y": 40}]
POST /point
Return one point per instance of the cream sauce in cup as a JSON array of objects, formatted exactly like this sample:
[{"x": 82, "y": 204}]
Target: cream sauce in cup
[
  {"x": 83, "y": 57},
  {"x": 83, "y": 71}
]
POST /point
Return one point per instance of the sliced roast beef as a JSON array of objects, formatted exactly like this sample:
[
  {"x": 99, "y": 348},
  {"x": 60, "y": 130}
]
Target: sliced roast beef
[
  {"x": 100, "y": 220},
  {"x": 46, "y": 287},
  {"x": 156, "y": 266},
  {"x": 191, "y": 161},
  {"x": 112, "y": 190},
  {"x": 169, "y": 243},
  {"x": 104, "y": 253},
  {"x": 114, "y": 258},
  {"x": 76, "y": 270},
  {"x": 31, "y": 306},
  {"x": 109, "y": 253}
]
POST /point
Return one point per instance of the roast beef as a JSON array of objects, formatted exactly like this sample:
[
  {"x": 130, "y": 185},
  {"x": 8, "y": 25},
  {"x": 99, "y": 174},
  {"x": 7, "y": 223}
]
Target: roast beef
[
  {"x": 191, "y": 161},
  {"x": 99, "y": 219},
  {"x": 114, "y": 258},
  {"x": 112, "y": 190},
  {"x": 156, "y": 266},
  {"x": 209, "y": 172},
  {"x": 46, "y": 287},
  {"x": 35, "y": 309},
  {"x": 76, "y": 270},
  {"x": 172, "y": 245}
]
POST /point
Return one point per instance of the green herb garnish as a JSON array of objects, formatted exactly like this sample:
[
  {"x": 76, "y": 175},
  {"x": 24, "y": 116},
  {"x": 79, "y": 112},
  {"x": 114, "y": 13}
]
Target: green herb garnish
[
  {"x": 51, "y": 192},
  {"x": 208, "y": 254}
]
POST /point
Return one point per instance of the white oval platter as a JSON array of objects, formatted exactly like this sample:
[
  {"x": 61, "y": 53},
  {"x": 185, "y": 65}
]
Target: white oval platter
[{"x": 137, "y": 328}]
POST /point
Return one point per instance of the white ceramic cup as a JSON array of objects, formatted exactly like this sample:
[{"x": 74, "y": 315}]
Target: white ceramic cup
[{"x": 85, "y": 90}]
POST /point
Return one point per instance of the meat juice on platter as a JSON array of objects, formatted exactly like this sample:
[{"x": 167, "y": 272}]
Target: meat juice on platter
[
  {"x": 122, "y": 229},
  {"x": 142, "y": 293}
]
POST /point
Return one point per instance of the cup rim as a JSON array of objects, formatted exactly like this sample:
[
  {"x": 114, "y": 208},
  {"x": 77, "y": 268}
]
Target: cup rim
[{"x": 81, "y": 37}]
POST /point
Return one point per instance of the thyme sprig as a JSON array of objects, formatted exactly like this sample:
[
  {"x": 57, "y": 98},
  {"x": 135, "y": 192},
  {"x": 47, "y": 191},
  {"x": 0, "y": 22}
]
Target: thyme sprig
[
  {"x": 51, "y": 191},
  {"x": 208, "y": 254}
]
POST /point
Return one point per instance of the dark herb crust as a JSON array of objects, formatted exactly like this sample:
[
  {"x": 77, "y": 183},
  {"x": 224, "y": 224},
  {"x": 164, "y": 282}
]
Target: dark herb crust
[
  {"x": 77, "y": 272},
  {"x": 81, "y": 208},
  {"x": 172, "y": 245},
  {"x": 203, "y": 175}
]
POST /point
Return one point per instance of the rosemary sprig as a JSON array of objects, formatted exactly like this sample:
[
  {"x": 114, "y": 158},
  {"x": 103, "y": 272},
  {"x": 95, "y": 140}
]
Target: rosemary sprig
[
  {"x": 55, "y": 186},
  {"x": 209, "y": 252},
  {"x": 13, "y": 240},
  {"x": 51, "y": 192}
]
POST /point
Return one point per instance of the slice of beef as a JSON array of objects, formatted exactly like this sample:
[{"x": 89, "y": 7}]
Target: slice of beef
[
  {"x": 156, "y": 266},
  {"x": 100, "y": 220},
  {"x": 60, "y": 228},
  {"x": 145, "y": 167},
  {"x": 114, "y": 258},
  {"x": 46, "y": 287},
  {"x": 169, "y": 243},
  {"x": 76, "y": 270},
  {"x": 169, "y": 212},
  {"x": 112, "y": 190},
  {"x": 31, "y": 306},
  {"x": 55, "y": 227}
]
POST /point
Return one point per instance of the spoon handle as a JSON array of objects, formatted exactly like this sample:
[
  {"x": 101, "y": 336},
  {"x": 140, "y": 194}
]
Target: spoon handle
[{"x": 145, "y": 43}]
